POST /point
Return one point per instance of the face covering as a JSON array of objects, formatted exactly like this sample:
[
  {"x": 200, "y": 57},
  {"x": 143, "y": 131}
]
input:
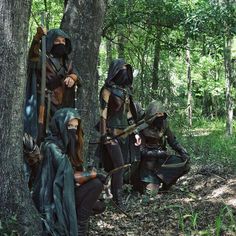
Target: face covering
[
  {"x": 122, "y": 78},
  {"x": 158, "y": 122},
  {"x": 72, "y": 145},
  {"x": 58, "y": 50}
]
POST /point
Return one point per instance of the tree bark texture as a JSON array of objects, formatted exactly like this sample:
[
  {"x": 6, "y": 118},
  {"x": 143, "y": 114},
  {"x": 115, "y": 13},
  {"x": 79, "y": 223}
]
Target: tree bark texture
[
  {"x": 17, "y": 209},
  {"x": 83, "y": 20}
]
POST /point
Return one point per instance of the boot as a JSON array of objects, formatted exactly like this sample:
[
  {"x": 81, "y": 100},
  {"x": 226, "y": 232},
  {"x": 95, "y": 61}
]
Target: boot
[
  {"x": 117, "y": 198},
  {"x": 83, "y": 220},
  {"x": 99, "y": 207}
]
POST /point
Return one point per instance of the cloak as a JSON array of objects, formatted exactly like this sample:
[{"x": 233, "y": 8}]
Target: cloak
[{"x": 54, "y": 188}]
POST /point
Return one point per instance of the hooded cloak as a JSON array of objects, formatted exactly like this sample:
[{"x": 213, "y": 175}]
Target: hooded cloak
[{"x": 53, "y": 192}]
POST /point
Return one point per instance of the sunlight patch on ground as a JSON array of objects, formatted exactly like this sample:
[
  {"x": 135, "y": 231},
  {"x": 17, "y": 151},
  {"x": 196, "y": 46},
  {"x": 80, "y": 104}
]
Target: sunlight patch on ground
[
  {"x": 225, "y": 193},
  {"x": 104, "y": 225}
]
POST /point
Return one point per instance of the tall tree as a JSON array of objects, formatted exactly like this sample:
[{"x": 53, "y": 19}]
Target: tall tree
[
  {"x": 189, "y": 82},
  {"x": 14, "y": 195},
  {"x": 228, "y": 69},
  {"x": 156, "y": 61},
  {"x": 229, "y": 85},
  {"x": 83, "y": 21}
]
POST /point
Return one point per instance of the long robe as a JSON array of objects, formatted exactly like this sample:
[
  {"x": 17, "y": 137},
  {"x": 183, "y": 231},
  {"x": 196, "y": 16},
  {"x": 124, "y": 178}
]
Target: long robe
[{"x": 54, "y": 188}]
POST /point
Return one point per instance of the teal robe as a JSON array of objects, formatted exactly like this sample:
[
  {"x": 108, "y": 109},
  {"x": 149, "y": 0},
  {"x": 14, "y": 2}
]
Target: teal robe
[{"x": 54, "y": 188}]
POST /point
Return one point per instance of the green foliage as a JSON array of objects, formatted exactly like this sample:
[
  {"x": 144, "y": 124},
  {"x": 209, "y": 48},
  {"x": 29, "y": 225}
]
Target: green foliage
[
  {"x": 206, "y": 142},
  {"x": 224, "y": 223},
  {"x": 53, "y": 11},
  {"x": 159, "y": 29}
]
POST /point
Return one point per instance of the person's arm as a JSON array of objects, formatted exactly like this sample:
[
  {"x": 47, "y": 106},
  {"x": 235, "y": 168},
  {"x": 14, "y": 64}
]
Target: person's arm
[
  {"x": 174, "y": 144},
  {"x": 104, "y": 98},
  {"x": 131, "y": 121},
  {"x": 72, "y": 77},
  {"x": 34, "y": 51}
]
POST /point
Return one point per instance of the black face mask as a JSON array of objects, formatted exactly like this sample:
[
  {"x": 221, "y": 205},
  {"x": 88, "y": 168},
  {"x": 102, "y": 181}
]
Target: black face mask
[
  {"x": 122, "y": 78},
  {"x": 58, "y": 50},
  {"x": 159, "y": 122},
  {"x": 72, "y": 145}
]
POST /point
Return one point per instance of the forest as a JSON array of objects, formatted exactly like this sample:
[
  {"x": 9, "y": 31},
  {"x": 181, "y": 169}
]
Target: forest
[{"x": 183, "y": 53}]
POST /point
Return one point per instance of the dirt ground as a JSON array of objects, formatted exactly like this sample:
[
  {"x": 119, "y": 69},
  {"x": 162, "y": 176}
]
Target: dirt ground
[{"x": 201, "y": 203}]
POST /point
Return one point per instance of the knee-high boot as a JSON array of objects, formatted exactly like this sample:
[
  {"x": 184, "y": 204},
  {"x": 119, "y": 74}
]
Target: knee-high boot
[{"x": 83, "y": 221}]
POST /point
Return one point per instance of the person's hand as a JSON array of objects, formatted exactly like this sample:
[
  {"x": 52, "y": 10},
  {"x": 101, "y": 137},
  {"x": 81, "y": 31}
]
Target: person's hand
[
  {"x": 105, "y": 139},
  {"x": 138, "y": 140},
  {"x": 186, "y": 156},
  {"x": 69, "y": 82},
  {"x": 40, "y": 32}
]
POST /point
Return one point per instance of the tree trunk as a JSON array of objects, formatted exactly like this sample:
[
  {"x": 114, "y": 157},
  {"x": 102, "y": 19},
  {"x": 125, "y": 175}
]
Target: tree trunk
[
  {"x": 17, "y": 209},
  {"x": 189, "y": 87},
  {"x": 121, "y": 45},
  {"x": 83, "y": 21},
  {"x": 121, "y": 31},
  {"x": 109, "y": 52},
  {"x": 229, "y": 83},
  {"x": 142, "y": 98},
  {"x": 156, "y": 62}
]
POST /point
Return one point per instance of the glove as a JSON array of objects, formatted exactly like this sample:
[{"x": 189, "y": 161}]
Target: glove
[
  {"x": 31, "y": 150},
  {"x": 101, "y": 177},
  {"x": 40, "y": 32},
  {"x": 29, "y": 143},
  {"x": 105, "y": 138}
]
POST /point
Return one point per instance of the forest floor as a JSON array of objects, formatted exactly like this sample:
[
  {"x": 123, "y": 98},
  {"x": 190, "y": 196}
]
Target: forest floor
[{"x": 201, "y": 203}]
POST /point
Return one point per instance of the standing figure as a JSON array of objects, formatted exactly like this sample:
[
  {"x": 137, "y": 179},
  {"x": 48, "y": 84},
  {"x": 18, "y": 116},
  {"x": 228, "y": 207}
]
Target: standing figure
[
  {"x": 65, "y": 206},
  {"x": 61, "y": 79},
  {"x": 157, "y": 165},
  {"x": 117, "y": 113}
]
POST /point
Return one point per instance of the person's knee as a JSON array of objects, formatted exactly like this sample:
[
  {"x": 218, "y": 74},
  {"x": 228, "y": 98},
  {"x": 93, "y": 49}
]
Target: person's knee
[{"x": 97, "y": 184}]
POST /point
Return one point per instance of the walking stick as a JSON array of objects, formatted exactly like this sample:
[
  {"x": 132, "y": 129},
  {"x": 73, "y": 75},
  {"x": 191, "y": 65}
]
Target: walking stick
[{"x": 43, "y": 84}]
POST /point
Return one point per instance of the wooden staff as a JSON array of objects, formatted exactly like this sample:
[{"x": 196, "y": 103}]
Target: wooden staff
[{"x": 43, "y": 83}]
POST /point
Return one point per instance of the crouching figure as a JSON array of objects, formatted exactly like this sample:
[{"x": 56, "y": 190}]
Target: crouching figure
[
  {"x": 157, "y": 166},
  {"x": 64, "y": 201}
]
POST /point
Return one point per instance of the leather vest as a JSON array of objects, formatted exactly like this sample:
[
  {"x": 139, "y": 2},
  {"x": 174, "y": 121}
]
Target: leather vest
[{"x": 118, "y": 107}]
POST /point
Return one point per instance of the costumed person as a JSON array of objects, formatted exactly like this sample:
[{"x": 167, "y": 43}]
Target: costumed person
[
  {"x": 63, "y": 197},
  {"x": 61, "y": 80},
  {"x": 117, "y": 113},
  {"x": 157, "y": 166}
]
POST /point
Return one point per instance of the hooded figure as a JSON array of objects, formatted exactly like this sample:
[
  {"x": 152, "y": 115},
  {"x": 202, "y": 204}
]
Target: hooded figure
[
  {"x": 65, "y": 209},
  {"x": 119, "y": 73},
  {"x": 117, "y": 112},
  {"x": 157, "y": 166},
  {"x": 61, "y": 79}
]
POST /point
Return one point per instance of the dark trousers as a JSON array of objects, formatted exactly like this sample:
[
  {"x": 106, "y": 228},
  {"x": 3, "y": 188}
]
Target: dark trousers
[
  {"x": 116, "y": 157},
  {"x": 86, "y": 196}
]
